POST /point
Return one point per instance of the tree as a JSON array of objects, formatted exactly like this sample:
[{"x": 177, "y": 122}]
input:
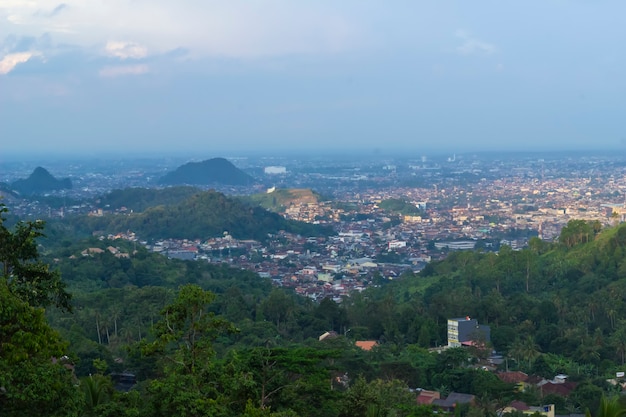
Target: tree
[
  {"x": 332, "y": 313},
  {"x": 576, "y": 232},
  {"x": 279, "y": 308},
  {"x": 282, "y": 379},
  {"x": 34, "y": 380},
  {"x": 24, "y": 274},
  {"x": 97, "y": 390},
  {"x": 184, "y": 343},
  {"x": 525, "y": 349},
  {"x": 379, "y": 398},
  {"x": 619, "y": 341},
  {"x": 587, "y": 396},
  {"x": 609, "y": 407}
]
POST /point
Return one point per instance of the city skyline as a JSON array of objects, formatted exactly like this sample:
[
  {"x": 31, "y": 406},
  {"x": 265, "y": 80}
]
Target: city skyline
[{"x": 212, "y": 77}]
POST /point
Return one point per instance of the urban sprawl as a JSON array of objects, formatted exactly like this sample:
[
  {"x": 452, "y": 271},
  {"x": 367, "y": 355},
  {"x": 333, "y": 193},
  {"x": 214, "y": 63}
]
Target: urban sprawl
[{"x": 463, "y": 202}]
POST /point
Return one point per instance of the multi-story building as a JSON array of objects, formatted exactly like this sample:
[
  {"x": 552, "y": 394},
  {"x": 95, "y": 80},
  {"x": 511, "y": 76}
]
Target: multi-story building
[{"x": 467, "y": 331}]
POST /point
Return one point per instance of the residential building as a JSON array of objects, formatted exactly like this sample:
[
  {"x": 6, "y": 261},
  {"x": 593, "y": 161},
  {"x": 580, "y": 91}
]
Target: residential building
[{"x": 466, "y": 331}]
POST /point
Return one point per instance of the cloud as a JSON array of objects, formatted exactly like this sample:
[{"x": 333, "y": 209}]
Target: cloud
[
  {"x": 15, "y": 19},
  {"x": 51, "y": 13},
  {"x": 473, "y": 46},
  {"x": 58, "y": 9},
  {"x": 125, "y": 50},
  {"x": 121, "y": 70},
  {"x": 207, "y": 28},
  {"x": 10, "y": 61}
]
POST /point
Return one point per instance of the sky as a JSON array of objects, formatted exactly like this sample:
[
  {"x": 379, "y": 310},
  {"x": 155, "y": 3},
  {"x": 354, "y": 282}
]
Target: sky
[{"x": 208, "y": 77}]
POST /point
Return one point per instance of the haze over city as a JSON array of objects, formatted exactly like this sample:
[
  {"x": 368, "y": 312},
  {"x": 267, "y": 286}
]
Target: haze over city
[{"x": 85, "y": 77}]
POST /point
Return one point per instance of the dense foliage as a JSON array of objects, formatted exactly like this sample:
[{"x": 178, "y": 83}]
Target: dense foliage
[
  {"x": 33, "y": 380},
  {"x": 212, "y": 340},
  {"x": 400, "y": 206},
  {"x": 203, "y": 215},
  {"x": 139, "y": 199}
]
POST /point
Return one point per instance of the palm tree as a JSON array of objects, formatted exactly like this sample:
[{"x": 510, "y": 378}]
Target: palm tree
[
  {"x": 609, "y": 407},
  {"x": 515, "y": 351},
  {"x": 526, "y": 349},
  {"x": 589, "y": 351},
  {"x": 619, "y": 340},
  {"x": 615, "y": 218},
  {"x": 96, "y": 389},
  {"x": 611, "y": 312}
]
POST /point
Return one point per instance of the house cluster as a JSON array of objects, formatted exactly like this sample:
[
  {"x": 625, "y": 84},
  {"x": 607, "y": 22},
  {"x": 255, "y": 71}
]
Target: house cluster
[
  {"x": 454, "y": 399},
  {"x": 467, "y": 332},
  {"x": 110, "y": 249},
  {"x": 315, "y": 267},
  {"x": 463, "y": 332}
]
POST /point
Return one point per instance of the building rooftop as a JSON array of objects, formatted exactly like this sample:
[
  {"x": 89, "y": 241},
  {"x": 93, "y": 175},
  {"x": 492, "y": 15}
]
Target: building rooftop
[{"x": 366, "y": 344}]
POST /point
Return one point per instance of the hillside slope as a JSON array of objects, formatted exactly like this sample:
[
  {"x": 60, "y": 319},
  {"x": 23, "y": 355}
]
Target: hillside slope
[
  {"x": 280, "y": 199},
  {"x": 203, "y": 215}
]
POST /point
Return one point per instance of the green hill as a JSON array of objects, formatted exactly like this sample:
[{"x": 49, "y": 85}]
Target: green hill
[
  {"x": 139, "y": 199},
  {"x": 203, "y": 215},
  {"x": 216, "y": 171},
  {"x": 400, "y": 206},
  {"x": 568, "y": 296}
]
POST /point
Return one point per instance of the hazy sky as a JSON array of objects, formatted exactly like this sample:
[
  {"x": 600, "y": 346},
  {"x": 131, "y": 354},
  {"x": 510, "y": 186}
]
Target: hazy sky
[{"x": 86, "y": 76}]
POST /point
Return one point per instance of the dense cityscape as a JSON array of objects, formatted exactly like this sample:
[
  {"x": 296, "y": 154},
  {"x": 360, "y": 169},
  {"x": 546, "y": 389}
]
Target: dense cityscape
[{"x": 462, "y": 202}]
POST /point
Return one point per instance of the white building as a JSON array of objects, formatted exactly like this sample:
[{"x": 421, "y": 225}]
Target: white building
[{"x": 275, "y": 170}]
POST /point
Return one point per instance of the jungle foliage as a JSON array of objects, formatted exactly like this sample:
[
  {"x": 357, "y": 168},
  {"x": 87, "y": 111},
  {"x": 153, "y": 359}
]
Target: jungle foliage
[{"x": 213, "y": 340}]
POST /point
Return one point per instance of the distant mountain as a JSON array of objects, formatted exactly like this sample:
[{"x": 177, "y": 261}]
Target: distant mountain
[
  {"x": 210, "y": 172},
  {"x": 41, "y": 181},
  {"x": 203, "y": 215}
]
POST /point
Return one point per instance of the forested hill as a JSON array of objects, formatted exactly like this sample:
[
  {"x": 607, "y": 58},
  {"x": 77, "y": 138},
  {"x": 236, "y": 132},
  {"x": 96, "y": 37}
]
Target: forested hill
[
  {"x": 203, "y": 215},
  {"x": 554, "y": 308},
  {"x": 140, "y": 199},
  {"x": 401, "y": 206},
  {"x": 568, "y": 296}
]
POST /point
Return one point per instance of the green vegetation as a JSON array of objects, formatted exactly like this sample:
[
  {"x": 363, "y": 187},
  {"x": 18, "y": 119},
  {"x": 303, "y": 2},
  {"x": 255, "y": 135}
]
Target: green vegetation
[
  {"x": 201, "y": 216},
  {"x": 23, "y": 274},
  {"x": 280, "y": 199},
  {"x": 140, "y": 199},
  {"x": 33, "y": 380},
  {"x": 212, "y": 340},
  {"x": 400, "y": 206},
  {"x": 609, "y": 407}
]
